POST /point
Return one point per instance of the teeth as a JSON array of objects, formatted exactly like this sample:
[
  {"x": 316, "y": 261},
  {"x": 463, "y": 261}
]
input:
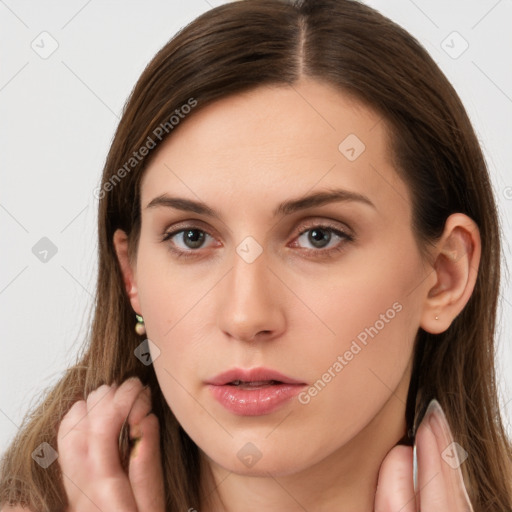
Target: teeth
[{"x": 253, "y": 383}]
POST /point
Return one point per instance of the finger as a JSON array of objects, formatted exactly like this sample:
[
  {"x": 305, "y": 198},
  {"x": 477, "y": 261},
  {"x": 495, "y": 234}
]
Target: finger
[
  {"x": 73, "y": 420},
  {"x": 130, "y": 429},
  {"x": 84, "y": 491},
  {"x": 395, "y": 489},
  {"x": 449, "y": 460},
  {"x": 431, "y": 487},
  {"x": 96, "y": 396},
  {"x": 141, "y": 407},
  {"x": 145, "y": 470},
  {"x": 107, "y": 410},
  {"x": 72, "y": 439}
]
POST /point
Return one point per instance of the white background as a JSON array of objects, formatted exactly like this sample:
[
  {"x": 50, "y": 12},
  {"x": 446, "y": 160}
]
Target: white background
[{"x": 58, "y": 116}]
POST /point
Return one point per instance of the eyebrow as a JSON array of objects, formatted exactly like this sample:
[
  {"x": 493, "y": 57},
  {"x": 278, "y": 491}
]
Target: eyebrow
[{"x": 285, "y": 208}]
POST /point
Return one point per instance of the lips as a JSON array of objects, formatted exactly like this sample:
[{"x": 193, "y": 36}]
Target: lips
[
  {"x": 254, "y": 376},
  {"x": 253, "y": 392}
]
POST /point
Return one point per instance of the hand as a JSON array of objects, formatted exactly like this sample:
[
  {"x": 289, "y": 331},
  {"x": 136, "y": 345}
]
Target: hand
[
  {"x": 88, "y": 447},
  {"x": 440, "y": 486}
]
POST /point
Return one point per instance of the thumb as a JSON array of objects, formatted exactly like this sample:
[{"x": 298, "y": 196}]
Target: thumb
[{"x": 145, "y": 470}]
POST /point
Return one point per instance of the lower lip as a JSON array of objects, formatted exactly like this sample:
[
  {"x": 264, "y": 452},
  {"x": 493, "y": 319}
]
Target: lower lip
[{"x": 257, "y": 401}]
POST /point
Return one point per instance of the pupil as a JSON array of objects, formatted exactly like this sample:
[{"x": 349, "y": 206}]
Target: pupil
[{"x": 316, "y": 237}]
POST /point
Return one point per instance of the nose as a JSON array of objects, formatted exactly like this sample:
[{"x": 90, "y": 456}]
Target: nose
[{"x": 251, "y": 307}]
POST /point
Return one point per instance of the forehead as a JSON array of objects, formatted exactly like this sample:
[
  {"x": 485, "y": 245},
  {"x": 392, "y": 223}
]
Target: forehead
[{"x": 256, "y": 146}]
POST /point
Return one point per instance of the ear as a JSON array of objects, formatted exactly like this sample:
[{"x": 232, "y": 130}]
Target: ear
[
  {"x": 455, "y": 269},
  {"x": 129, "y": 273}
]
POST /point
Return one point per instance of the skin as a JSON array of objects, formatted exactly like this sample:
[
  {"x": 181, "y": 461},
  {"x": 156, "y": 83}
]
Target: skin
[{"x": 293, "y": 310}]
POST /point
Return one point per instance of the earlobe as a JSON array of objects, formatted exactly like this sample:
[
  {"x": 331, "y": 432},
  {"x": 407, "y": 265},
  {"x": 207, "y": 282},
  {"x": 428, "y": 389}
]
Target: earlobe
[
  {"x": 120, "y": 240},
  {"x": 455, "y": 268}
]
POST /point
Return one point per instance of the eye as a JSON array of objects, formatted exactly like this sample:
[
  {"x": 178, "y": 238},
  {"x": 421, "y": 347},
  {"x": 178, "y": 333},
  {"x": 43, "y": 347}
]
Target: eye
[
  {"x": 324, "y": 239},
  {"x": 191, "y": 238}
]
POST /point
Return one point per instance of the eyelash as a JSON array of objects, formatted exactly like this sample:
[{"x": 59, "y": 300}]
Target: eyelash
[{"x": 323, "y": 252}]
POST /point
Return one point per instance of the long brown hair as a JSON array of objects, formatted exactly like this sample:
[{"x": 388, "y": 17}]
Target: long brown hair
[{"x": 236, "y": 47}]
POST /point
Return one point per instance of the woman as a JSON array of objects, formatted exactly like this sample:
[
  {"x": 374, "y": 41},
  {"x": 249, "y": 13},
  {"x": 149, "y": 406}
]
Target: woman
[{"x": 299, "y": 259}]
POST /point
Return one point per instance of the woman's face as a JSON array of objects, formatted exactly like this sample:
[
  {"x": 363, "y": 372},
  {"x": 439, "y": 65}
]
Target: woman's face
[{"x": 327, "y": 292}]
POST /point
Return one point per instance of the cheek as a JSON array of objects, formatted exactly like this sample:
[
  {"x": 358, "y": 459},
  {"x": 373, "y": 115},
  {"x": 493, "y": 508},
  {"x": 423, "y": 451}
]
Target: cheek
[
  {"x": 364, "y": 298},
  {"x": 175, "y": 301},
  {"x": 172, "y": 312},
  {"x": 374, "y": 317},
  {"x": 167, "y": 292},
  {"x": 365, "y": 328}
]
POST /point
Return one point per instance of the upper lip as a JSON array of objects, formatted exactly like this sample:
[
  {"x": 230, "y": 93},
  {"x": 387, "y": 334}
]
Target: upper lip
[{"x": 251, "y": 375}]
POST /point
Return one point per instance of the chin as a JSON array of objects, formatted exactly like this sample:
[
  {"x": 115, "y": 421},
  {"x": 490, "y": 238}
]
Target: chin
[{"x": 249, "y": 461}]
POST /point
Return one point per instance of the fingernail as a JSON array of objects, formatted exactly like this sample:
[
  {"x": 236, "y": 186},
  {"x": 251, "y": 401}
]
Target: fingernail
[
  {"x": 415, "y": 468},
  {"x": 436, "y": 419},
  {"x": 435, "y": 413},
  {"x": 451, "y": 452}
]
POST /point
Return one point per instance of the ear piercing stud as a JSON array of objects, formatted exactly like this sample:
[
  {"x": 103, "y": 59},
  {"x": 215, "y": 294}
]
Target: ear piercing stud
[{"x": 140, "y": 328}]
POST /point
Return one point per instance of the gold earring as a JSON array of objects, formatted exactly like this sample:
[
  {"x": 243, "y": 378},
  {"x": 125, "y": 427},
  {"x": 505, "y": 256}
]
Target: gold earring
[{"x": 140, "y": 328}]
